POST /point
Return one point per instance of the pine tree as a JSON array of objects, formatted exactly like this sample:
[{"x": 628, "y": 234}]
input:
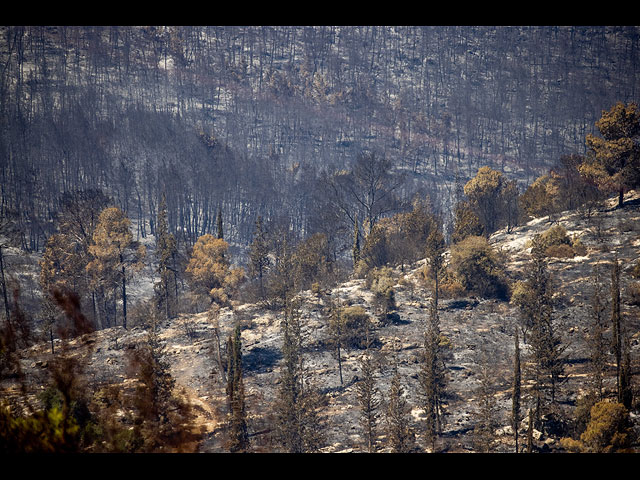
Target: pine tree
[
  {"x": 399, "y": 433},
  {"x": 616, "y": 321},
  {"x": 596, "y": 338},
  {"x": 298, "y": 427},
  {"x": 259, "y": 255},
  {"x": 57, "y": 273},
  {"x": 486, "y": 194},
  {"x": 114, "y": 253},
  {"x": 239, "y": 436},
  {"x": 162, "y": 422},
  {"x": 220, "y": 233},
  {"x": 210, "y": 271},
  {"x": 166, "y": 252},
  {"x": 625, "y": 397},
  {"x": 516, "y": 392},
  {"x": 537, "y": 308},
  {"x": 432, "y": 377},
  {"x": 434, "y": 250},
  {"x": 356, "y": 243},
  {"x": 368, "y": 401},
  {"x": 466, "y": 223},
  {"x": 615, "y": 164}
]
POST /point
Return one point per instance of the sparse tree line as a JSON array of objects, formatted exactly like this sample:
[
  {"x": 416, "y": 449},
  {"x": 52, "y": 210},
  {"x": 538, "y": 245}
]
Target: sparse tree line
[{"x": 87, "y": 265}]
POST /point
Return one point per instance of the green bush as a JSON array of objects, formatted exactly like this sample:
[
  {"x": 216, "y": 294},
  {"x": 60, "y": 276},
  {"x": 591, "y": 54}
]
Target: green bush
[
  {"x": 556, "y": 235},
  {"x": 356, "y": 325},
  {"x": 556, "y": 242},
  {"x": 381, "y": 282},
  {"x": 561, "y": 250},
  {"x": 608, "y": 430},
  {"x": 479, "y": 268}
]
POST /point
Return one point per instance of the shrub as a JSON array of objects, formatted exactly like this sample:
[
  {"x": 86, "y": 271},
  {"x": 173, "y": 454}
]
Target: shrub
[
  {"x": 635, "y": 273},
  {"x": 479, "y": 268},
  {"x": 561, "y": 250},
  {"x": 578, "y": 247},
  {"x": 357, "y": 325},
  {"x": 633, "y": 293},
  {"x": 311, "y": 261},
  {"x": 556, "y": 235},
  {"x": 450, "y": 286},
  {"x": 376, "y": 252},
  {"x": 380, "y": 281},
  {"x": 608, "y": 430},
  {"x": 556, "y": 243}
]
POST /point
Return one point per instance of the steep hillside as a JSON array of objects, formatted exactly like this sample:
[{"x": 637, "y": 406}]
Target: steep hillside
[{"x": 478, "y": 329}]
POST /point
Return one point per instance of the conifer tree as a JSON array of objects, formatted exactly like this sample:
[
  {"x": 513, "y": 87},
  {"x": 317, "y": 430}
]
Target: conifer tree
[
  {"x": 543, "y": 196},
  {"x": 596, "y": 340},
  {"x": 466, "y": 223},
  {"x": 486, "y": 194},
  {"x": 56, "y": 274},
  {"x": 166, "y": 252},
  {"x": 114, "y": 253},
  {"x": 356, "y": 243},
  {"x": 162, "y": 421},
  {"x": 609, "y": 430},
  {"x": 516, "y": 391},
  {"x": 616, "y": 321},
  {"x": 399, "y": 433},
  {"x": 434, "y": 250},
  {"x": 368, "y": 401},
  {"x": 297, "y": 406},
  {"x": 536, "y": 306},
  {"x": 239, "y": 436},
  {"x": 220, "y": 233},
  {"x": 259, "y": 255},
  {"x": 66, "y": 254},
  {"x": 625, "y": 397},
  {"x": 432, "y": 377},
  {"x": 210, "y": 270},
  {"x": 615, "y": 163}
]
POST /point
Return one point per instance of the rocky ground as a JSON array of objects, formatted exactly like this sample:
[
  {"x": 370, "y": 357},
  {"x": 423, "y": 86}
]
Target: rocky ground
[{"x": 480, "y": 330}]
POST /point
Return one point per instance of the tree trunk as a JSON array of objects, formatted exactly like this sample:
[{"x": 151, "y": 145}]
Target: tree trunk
[
  {"x": 4, "y": 287},
  {"x": 620, "y": 198},
  {"x": 124, "y": 299},
  {"x": 340, "y": 363}
]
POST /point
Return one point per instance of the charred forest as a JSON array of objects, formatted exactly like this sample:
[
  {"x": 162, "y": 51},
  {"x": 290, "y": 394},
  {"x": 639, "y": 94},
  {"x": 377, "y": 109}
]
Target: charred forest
[{"x": 319, "y": 238}]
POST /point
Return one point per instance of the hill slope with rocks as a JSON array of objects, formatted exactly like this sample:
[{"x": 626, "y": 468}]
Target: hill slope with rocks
[{"x": 480, "y": 332}]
